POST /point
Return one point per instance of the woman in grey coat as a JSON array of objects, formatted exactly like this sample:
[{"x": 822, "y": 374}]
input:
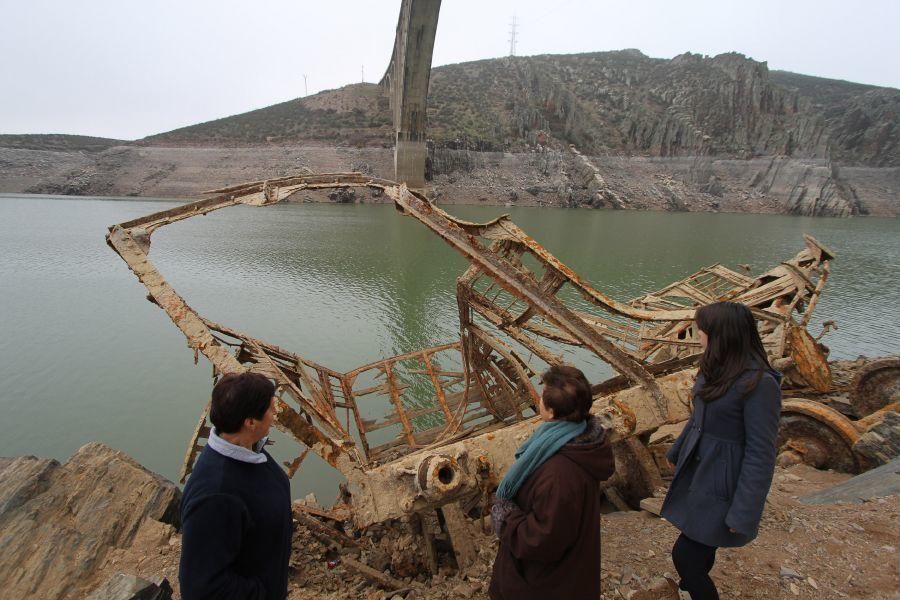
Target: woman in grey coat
[{"x": 725, "y": 456}]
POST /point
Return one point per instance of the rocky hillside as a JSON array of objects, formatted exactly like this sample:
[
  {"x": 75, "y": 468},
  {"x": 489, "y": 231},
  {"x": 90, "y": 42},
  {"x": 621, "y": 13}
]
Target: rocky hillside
[{"x": 607, "y": 102}]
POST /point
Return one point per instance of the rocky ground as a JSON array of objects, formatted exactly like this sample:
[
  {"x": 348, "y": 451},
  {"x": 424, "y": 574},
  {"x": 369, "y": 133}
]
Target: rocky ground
[
  {"x": 543, "y": 176},
  {"x": 803, "y": 551}
]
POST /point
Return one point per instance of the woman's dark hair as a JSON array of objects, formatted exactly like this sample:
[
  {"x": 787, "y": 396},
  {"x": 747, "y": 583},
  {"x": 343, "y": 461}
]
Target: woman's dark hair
[
  {"x": 567, "y": 392},
  {"x": 239, "y": 396},
  {"x": 733, "y": 346}
]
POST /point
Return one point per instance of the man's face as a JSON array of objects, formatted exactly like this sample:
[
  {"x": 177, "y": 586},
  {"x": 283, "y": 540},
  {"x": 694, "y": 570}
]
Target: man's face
[
  {"x": 260, "y": 427},
  {"x": 266, "y": 421}
]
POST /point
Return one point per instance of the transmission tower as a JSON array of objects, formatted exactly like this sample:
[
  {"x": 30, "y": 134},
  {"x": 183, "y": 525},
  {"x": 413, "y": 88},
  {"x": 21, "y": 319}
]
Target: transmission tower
[{"x": 512, "y": 36}]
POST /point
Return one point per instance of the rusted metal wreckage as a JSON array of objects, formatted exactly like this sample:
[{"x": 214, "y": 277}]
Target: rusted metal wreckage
[{"x": 451, "y": 416}]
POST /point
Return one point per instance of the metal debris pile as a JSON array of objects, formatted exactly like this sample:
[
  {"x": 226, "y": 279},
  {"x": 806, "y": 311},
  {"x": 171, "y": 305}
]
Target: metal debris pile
[{"x": 450, "y": 417}]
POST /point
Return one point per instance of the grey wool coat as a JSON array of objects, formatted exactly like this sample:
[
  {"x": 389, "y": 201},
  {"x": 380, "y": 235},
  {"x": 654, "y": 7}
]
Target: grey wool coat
[{"x": 724, "y": 461}]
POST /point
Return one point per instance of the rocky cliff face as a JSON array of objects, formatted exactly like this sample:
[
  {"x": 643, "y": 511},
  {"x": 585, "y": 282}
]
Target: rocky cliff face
[{"x": 59, "y": 522}]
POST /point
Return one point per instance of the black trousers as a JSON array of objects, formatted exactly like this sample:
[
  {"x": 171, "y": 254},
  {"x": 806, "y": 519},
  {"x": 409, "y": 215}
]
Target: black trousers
[{"x": 694, "y": 561}]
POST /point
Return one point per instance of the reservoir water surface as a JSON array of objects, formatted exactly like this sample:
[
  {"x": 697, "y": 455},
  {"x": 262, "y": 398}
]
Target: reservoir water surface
[{"x": 86, "y": 358}]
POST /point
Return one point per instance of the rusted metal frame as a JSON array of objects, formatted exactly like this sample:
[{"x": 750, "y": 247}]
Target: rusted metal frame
[
  {"x": 659, "y": 304},
  {"x": 328, "y": 392},
  {"x": 625, "y": 329},
  {"x": 388, "y": 367},
  {"x": 350, "y": 399},
  {"x": 520, "y": 336},
  {"x": 674, "y": 284},
  {"x": 294, "y": 465},
  {"x": 438, "y": 388},
  {"x": 433, "y": 437},
  {"x": 800, "y": 274},
  {"x": 671, "y": 342},
  {"x": 611, "y": 328},
  {"x": 733, "y": 276},
  {"x": 817, "y": 292},
  {"x": 504, "y": 320},
  {"x": 452, "y": 376},
  {"x": 270, "y": 349},
  {"x": 510, "y": 279},
  {"x": 200, "y": 339},
  {"x": 184, "y": 211},
  {"x": 714, "y": 284},
  {"x": 551, "y": 283},
  {"x": 588, "y": 291},
  {"x": 693, "y": 293},
  {"x": 768, "y": 292},
  {"x": 394, "y": 418},
  {"x": 506, "y": 352},
  {"x": 400, "y": 357},
  {"x": 242, "y": 194},
  {"x": 342, "y": 456},
  {"x": 201, "y": 431},
  {"x": 327, "y": 418},
  {"x": 492, "y": 382},
  {"x": 333, "y": 179},
  {"x": 317, "y": 395},
  {"x": 819, "y": 250},
  {"x": 381, "y": 388},
  {"x": 185, "y": 318}
]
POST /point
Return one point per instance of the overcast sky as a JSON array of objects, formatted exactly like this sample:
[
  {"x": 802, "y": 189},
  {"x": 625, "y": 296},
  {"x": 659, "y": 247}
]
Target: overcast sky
[{"x": 126, "y": 69}]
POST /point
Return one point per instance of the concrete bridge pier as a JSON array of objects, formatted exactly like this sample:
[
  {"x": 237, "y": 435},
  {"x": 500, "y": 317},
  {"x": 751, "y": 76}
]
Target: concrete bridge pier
[
  {"x": 406, "y": 82},
  {"x": 409, "y": 162}
]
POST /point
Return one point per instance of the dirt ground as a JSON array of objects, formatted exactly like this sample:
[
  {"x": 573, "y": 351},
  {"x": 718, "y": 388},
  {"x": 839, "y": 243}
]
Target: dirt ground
[{"x": 803, "y": 551}]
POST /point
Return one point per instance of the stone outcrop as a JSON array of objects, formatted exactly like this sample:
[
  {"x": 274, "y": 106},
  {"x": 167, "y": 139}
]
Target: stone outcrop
[{"x": 59, "y": 522}]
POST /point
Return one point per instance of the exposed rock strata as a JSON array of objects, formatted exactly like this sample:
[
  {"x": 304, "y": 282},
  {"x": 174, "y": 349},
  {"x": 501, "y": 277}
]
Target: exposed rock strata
[
  {"x": 59, "y": 522},
  {"x": 543, "y": 177}
]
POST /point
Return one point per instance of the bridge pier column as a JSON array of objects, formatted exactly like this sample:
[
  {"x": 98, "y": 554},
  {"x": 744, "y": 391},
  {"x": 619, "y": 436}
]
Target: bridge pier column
[{"x": 409, "y": 162}]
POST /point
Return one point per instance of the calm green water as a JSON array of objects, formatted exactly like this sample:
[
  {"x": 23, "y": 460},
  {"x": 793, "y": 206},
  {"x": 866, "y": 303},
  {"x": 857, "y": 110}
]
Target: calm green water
[{"x": 85, "y": 357}]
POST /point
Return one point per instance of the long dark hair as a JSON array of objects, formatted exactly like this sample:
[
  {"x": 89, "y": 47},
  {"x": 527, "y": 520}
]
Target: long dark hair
[{"x": 733, "y": 347}]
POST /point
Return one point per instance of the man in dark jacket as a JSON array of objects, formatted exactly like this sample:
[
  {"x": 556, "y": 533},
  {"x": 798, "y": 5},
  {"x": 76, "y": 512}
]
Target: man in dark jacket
[
  {"x": 236, "y": 508},
  {"x": 550, "y": 533}
]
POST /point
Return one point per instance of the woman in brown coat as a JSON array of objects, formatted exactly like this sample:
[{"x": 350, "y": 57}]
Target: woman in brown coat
[{"x": 547, "y": 513}]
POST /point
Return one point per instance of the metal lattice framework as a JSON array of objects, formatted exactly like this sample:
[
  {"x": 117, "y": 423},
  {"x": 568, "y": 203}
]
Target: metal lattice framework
[{"x": 433, "y": 425}]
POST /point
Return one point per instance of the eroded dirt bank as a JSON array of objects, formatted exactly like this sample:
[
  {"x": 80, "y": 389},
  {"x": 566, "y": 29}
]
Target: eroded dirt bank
[{"x": 544, "y": 177}]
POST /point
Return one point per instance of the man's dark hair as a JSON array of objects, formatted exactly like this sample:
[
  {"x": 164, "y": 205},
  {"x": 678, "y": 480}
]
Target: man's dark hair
[
  {"x": 733, "y": 346},
  {"x": 567, "y": 392},
  {"x": 238, "y": 396}
]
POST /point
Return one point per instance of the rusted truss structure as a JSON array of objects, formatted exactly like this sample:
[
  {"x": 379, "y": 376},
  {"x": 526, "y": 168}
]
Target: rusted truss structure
[{"x": 425, "y": 429}]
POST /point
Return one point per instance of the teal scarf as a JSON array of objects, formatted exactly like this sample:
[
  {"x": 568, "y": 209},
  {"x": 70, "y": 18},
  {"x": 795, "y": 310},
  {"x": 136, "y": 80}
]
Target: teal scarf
[{"x": 543, "y": 443}]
